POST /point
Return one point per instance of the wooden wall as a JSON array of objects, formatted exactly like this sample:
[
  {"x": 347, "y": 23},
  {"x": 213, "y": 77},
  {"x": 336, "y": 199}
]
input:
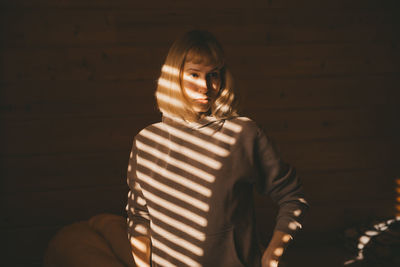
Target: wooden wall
[{"x": 77, "y": 81}]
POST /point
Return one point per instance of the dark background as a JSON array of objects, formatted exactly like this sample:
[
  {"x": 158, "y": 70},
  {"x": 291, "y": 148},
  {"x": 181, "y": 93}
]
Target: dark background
[{"x": 77, "y": 81}]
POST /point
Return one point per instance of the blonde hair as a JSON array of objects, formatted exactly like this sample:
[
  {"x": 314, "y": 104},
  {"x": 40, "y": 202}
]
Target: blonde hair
[{"x": 197, "y": 47}]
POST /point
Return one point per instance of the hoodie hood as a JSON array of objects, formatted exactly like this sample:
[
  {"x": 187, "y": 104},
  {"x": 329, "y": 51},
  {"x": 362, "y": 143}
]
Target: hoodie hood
[{"x": 203, "y": 122}]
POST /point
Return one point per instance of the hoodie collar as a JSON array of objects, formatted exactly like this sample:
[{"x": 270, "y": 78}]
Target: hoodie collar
[{"x": 206, "y": 121}]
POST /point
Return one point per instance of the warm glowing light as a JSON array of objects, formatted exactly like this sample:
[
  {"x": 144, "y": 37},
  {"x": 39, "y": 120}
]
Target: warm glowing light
[
  {"x": 177, "y": 240},
  {"x": 224, "y": 108},
  {"x": 141, "y": 201},
  {"x": 273, "y": 263},
  {"x": 197, "y": 82},
  {"x": 398, "y": 181},
  {"x": 170, "y": 70},
  {"x": 177, "y": 224},
  {"x": 162, "y": 262},
  {"x": 139, "y": 261},
  {"x": 168, "y": 84},
  {"x": 142, "y": 213},
  {"x": 349, "y": 262},
  {"x": 173, "y": 192},
  {"x": 294, "y": 225},
  {"x": 371, "y": 233},
  {"x": 129, "y": 168},
  {"x": 297, "y": 213},
  {"x": 182, "y": 149},
  {"x": 398, "y": 207},
  {"x": 137, "y": 243},
  {"x": 141, "y": 229},
  {"x": 286, "y": 238},
  {"x": 174, "y": 177},
  {"x": 302, "y": 200},
  {"x": 278, "y": 251},
  {"x": 217, "y": 135},
  {"x": 167, "y": 99},
  {"x": 175, "y": 162},
  {"x": 177, "y": 255},
  {"x": 196, "y": 141},
  {"x": 232, "y": 126},
  {"x": 364, "y": 239},
  {"x": 137, "y": 187},
  {"x": 175, "y": 208}
]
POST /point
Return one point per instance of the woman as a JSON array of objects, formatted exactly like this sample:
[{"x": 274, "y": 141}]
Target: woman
[{"x": 191, "y": 176}]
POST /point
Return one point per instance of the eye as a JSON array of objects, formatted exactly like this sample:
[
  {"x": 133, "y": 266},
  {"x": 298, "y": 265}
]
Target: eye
[{"x": 194, "y": 75}]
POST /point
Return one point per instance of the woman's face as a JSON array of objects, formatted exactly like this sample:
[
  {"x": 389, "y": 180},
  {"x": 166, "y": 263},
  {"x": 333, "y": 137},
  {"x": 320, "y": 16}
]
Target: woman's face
[{"x": 201, "y": 84}]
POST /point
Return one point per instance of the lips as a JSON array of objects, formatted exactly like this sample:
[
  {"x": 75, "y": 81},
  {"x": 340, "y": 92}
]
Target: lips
[{"x": 202, "y": 100}]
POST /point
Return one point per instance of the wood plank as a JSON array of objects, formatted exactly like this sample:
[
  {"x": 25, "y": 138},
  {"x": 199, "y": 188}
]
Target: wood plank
[
  {"x": 316, "y": 92},
  {"x": 71, "y": 27},
  {"x": 337, "y": 59},
  {"x": 61, "y": 207},
  {"x": 119, "y": 4},
  {"x": 116, "y": 98},
  {"x": 130, "y": 63},
  {"x": 76, "y": 135},
  {"x": 300, "y": 4},
  {"x": 69, "y": 171},
  {"x": 90, "y": 134},
  {"x": 322, "y": 187},
  {"x": 32, "y": 241},
  {"x": 342, "y": 4},
  {"x": 68, "y": 99},
  {"x": 326, "y": 124},
  {"x": 329, "y": 219},
  {"x": 51, "y": 172},
  {"x": 338, "y": 154},
  {"x": 346, "y": 215},
  {"x": 66, "y": 206}
]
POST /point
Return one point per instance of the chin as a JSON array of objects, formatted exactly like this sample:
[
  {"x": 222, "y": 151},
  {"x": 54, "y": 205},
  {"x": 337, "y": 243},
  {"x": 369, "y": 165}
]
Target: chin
[{"x": 202, "y": 109}]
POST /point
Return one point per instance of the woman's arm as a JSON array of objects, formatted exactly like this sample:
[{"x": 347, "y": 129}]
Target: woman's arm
[
  {"x": 138, "y": 216},
  {"x": 141, "y": 250},
  {"x": 275, "y": 249},
  {"x": 279, "y": 180}
]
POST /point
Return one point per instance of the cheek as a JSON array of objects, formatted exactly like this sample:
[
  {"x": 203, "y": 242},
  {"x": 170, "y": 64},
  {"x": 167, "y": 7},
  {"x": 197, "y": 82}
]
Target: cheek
[
  {"x": 188, "y": 90},
  {"x": 187, "y": 86}
]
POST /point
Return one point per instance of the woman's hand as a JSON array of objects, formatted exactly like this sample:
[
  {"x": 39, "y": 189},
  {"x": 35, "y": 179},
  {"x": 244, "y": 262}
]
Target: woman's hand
[
  {"x": 275, "y": 249},
  {"x": 141, "y": 250}
]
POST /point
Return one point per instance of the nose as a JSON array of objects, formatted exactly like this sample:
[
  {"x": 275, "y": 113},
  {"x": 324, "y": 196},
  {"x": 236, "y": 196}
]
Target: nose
[{"x": 202, "y": 86}]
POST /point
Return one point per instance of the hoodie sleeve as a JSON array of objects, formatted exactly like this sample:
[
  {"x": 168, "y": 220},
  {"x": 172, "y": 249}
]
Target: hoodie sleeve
[
  {"x": 279, "y": 180},
  {"x": 138, "y": 219}
]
